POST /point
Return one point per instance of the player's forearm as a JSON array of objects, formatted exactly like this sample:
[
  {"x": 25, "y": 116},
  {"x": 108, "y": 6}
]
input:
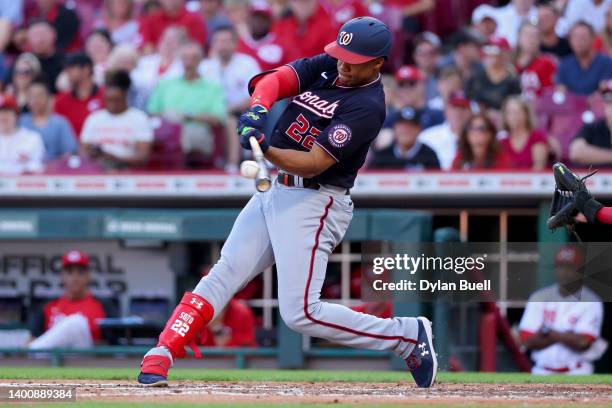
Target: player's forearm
[
  {"x": 538, "y": 341},
  {"x": 303, "y": 164},
  {"x": 575, "y": 341}
]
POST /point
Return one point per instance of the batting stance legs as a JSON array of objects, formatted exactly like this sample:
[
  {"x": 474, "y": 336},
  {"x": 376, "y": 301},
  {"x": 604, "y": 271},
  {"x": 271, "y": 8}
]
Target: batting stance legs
[{"x": 297, "y": 228}]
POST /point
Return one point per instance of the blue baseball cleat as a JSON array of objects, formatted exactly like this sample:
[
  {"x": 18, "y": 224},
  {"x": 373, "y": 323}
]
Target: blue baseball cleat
[
  {"x": 154, "y": 371},
  {"x": 422, "y": 362}
]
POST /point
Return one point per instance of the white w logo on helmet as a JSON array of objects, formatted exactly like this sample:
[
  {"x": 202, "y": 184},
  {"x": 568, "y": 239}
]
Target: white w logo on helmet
[{"x": 345, "y": 38}]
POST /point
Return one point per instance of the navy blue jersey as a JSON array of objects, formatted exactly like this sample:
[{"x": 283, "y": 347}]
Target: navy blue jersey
[{"x": 342, "y": 120}]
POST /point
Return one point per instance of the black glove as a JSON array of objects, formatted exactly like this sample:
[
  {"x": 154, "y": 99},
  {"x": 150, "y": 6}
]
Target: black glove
[
  {"x": 247, "y": 132},
  {"x": 254, "y": 117},
  {"x": 571, "y": 197}
]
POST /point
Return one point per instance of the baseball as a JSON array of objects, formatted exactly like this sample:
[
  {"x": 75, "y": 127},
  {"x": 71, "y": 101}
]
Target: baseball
[{"x": 249, "y": 169}]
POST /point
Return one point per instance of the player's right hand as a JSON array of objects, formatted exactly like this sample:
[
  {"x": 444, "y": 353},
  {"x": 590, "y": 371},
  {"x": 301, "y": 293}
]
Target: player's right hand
[{"x": 254, "y": 117}]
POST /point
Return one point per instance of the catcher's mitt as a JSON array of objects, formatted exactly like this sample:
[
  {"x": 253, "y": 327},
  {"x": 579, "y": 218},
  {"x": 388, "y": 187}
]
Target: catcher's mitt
[{"x": 570, "y": 198}]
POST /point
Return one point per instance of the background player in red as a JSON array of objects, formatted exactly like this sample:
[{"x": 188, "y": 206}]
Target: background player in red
[
  {"x": 320, "y": 142},
  {"x": 233, "y": 327},
  {"x": 71, "y": 320}
]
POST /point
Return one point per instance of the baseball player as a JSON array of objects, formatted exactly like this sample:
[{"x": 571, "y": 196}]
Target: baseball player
[
  {"x": 319, "y": 144},
  {"x": 562, "y": 322}
]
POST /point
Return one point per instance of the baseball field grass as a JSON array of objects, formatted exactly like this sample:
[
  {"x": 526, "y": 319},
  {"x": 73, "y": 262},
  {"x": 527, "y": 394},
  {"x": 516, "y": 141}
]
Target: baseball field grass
[{"x": 116, "y": 387}]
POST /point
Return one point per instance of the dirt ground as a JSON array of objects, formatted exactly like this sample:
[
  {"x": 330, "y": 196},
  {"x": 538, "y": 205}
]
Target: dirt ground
[{"x": 268, "y": 393}]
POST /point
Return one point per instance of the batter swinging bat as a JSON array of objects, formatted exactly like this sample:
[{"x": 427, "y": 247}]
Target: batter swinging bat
[{"x": 262, "y": 181}]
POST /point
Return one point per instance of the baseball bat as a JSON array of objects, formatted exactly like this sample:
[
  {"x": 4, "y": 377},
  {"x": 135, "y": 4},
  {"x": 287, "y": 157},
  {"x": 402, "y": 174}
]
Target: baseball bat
[{"x": 262, "y": 181}]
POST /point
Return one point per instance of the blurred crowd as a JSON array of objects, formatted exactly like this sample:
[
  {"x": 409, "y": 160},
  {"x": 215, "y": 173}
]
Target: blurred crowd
[{"x": 111, "y": 85}]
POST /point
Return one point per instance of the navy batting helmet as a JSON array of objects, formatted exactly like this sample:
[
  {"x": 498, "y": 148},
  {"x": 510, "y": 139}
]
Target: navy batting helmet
[{"x": 360, "y": 40}]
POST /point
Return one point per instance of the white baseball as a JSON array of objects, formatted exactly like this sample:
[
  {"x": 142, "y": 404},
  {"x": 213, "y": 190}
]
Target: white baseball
[{"x": 249, "y": 169}]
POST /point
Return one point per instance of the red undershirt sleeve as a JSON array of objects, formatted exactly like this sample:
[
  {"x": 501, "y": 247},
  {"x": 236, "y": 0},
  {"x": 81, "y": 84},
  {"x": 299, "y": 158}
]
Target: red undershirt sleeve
[
  {"x": 604, "y": 215},
  {"x": 272, "y": 86}
]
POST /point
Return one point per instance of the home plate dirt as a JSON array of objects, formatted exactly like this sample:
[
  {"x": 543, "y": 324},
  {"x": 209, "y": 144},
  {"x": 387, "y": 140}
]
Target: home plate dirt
[{"x": 336, "y": 392}]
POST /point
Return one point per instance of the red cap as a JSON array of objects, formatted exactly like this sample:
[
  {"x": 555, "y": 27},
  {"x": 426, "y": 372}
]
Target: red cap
[
  {"x": 8, "y": 102},
  {"x": 459, "y": 99},
  {"x": 261, "y": 7},
  {"x": 496, "y": 44},
  {"x": 569, "y": 255},
  {"x": 408, "y": 73},
  {"x": 75, "y": 258}
]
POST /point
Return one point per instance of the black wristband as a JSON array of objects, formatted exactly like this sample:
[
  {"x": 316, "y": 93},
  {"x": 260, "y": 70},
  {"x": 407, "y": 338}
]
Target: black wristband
[{"x": 587, "y": 205}]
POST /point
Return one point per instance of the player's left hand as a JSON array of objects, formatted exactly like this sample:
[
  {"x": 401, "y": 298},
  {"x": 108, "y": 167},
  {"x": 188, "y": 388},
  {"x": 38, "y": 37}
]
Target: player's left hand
[
  {"x": 254, "y": 117},
  {"x": 247, "y": 132}
]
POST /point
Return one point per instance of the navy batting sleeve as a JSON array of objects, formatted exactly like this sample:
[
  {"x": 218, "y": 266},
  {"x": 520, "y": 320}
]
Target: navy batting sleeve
[
  {"x": 308, "y": 70},
  {"x": 349, "y": 131}
]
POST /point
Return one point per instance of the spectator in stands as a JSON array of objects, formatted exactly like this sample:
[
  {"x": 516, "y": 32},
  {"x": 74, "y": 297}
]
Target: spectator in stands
[
  {"x": 150, "y": 7},
  {"x": 71, "y": 320},
  {"x": 259, "y": 41},
  {"x": 41, "y": 40},
  {"x": 195, "y": 102},
  {"x": 479, "y": 148},
  {"x": 411, "y": 93},
  {"x": 512, "y": 16},
  {"x": 172, "y": 13},
  {"x": 537, "y": 71},
  {"x": 124, "y": 57},
  {"x": 65, "y": 21},
  {"x": 165, "y": 63},
  {"x": 582, "y": 72},
  {"x": 84, "y": 96},
  {"x": 21, "y": 150},
  {"x": 443, "y": 138},
  {"x": 606, "y": 33},
  {"x": 234, "y": 326},
  {"x": 550, "y": 42},
  {"x": 484, "y": 21},
  {"x": 214, "y": 15},
  {"x": 562, "y": 322},
  {"x": 118, "y": 19},
  {"x": 426, "y": 57},
  {"x": 465, "y": 54},
  {"x": 26, "y": 68},
  {"x": 342, "y": 11},
  {"x": 232, "y": 70},
  {"x": 491, "y": 85},
  {"x": 119, "y": 136},
  {"x": 306, "y": 30},
  {"x": 57, "y": 134},
  {"x": 524, "y": 146},
  {"x": 593, "y": 143},
  {"x": 449, "y": 81},
  {"x": 592, "y": 11},
  {"x": 406, "y": 152},
  {"x": 98, "y": 46},
  {"x": 238, "y": 12}
]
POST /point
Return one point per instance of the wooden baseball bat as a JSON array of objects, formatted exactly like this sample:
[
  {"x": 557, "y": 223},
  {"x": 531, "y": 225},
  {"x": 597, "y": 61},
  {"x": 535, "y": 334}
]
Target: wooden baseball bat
[{"x": 262, "y": 181}]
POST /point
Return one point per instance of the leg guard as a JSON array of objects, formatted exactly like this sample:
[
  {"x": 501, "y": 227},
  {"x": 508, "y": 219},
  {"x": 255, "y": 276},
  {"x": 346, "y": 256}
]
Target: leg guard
[{"x": 188, "y": 320}]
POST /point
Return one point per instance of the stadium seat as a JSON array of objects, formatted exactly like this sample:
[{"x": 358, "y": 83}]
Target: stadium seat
[
  {"x": 167, "y": 153},
  {"x": 561, "y": 119}
]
